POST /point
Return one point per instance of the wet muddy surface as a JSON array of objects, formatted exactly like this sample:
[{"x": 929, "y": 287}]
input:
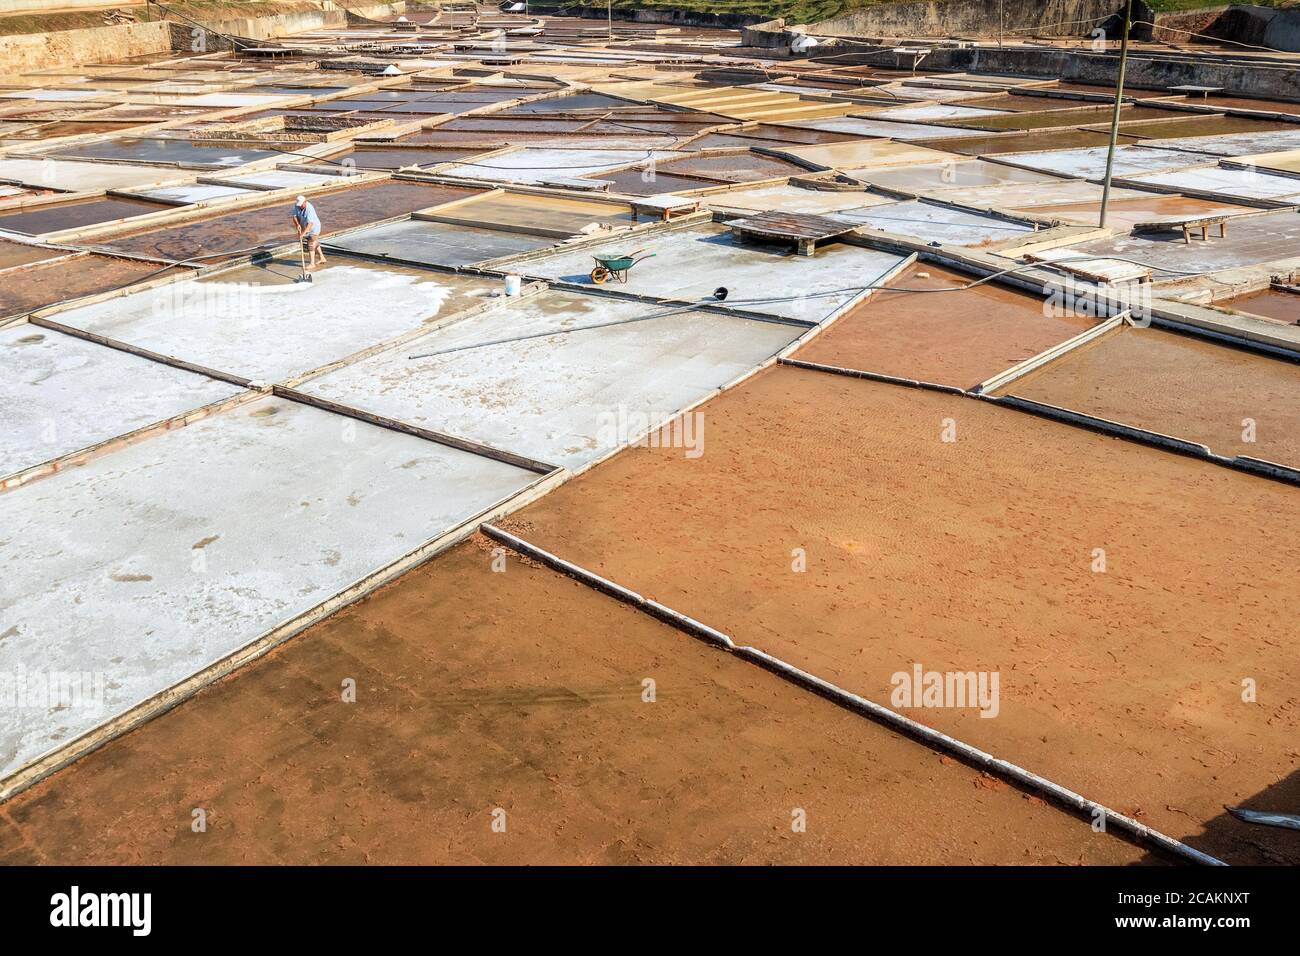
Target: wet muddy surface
[
  {"x": 1244, "y": 103},
  {"x": 390, "y": 159},
  {"x": 249, "y": 229},
  {"x": 45, "y": 284},
  {"x": 39, "y": 220},
  {"x": 1270, "y": 303},
  {"x": 489, "y": 139},
  {"x": 502, "y": 123},
  {"x": 456, "y": 717},
  {"x": 774, "y": 139},
  {"x": 1029, "y": 104},
  {"x": 1069, "y": 117},
  {"x": 997, "y": 143},
  {"x": 18, "y": 254},
  {"x": 953, "y": 338},
  {"x": 52, "y": 130},
  {"x": 977, "y": 554},
  {"x": 426, "y": 102},
  {"x": 273, "y": 89},
  {"x": 745, "y": 167},
  {"x": 1204, "y": 126},
  {"x": 1240, "y": 403},
  {"x": 1129, "y": 90},
  {"x": 639, "y": 182},
  {"x": 48, "y": 114},
  {"x": 580, "y": 101},
  {"x": 167, "y": 151},
  {"x": 413, "y": 108}
]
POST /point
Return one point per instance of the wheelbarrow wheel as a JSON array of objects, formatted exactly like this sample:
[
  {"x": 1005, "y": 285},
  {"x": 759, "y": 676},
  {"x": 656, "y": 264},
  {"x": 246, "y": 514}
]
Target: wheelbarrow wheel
[{"x": 599, "y": 274}]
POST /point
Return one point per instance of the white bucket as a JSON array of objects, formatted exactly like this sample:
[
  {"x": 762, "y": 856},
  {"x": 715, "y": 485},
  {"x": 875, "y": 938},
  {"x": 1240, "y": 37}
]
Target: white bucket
[{"x": 512, "y": 285}]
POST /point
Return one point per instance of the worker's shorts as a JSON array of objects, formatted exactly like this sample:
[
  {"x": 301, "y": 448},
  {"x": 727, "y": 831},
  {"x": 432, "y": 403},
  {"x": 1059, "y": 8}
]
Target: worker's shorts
[{"x": 310, "y": 239}]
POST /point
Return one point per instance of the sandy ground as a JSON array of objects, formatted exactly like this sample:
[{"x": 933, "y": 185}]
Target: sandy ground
[
  {"x": 954, "y": 338},
  {"x": 977, "y": 555},
  {"x": 1181, "y": 386},
  {"x": 18, "y": 254},
  {"x": 523, "y": 691}
]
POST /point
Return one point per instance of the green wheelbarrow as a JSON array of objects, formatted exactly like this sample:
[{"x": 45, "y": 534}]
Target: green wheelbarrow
[{"x": 616, "y": 266}]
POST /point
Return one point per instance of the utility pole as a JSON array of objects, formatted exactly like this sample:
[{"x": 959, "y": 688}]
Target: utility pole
[
  {"x": 1000, "y": 2},
  {"x": 1114, "y": 119},
  {"x": 609, "y": 12}
]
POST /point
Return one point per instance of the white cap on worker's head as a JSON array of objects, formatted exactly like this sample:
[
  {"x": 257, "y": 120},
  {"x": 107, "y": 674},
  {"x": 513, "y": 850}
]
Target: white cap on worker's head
[{"x": 300, "y": 200}]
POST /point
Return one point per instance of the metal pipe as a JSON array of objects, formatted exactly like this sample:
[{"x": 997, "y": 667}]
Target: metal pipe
[
  {"x": 619, "y": 593},
  {"x": 877, "y": 712},
  {"x": 1114, "y": 120},
  {"x": 985, "y": 761}
]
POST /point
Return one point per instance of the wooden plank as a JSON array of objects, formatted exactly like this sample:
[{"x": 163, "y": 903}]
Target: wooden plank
[
  {"x": 793, "y": 226},
  {"x": 451, "y": 441}
]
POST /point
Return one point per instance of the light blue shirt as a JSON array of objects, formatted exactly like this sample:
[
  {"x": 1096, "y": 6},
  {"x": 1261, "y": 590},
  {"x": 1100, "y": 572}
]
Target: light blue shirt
[{"x": 306, "y": 217}]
